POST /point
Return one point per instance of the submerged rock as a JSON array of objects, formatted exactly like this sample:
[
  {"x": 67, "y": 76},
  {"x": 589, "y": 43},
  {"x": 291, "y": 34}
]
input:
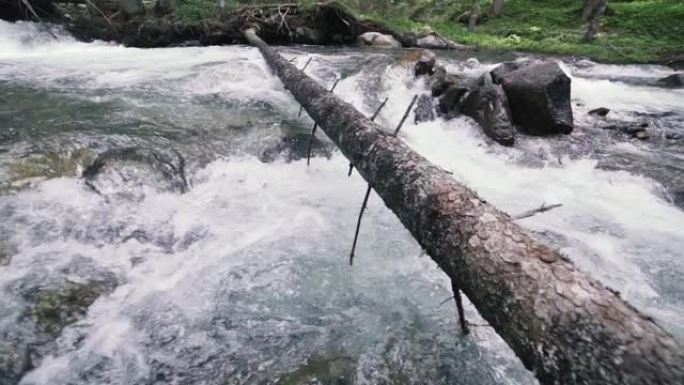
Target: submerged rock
[
  {"x": 539, "y": 98},
  {"x": 672, "y": 81},
  {"x": 487, "y": 104},
  {"x": 601, "y": 111},
  {"x": 126, "y": 170},
  {"x": 377, "y": 39}
]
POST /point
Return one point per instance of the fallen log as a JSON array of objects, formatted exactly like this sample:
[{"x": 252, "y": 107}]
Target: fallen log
[{"x": 566, "y": 327}]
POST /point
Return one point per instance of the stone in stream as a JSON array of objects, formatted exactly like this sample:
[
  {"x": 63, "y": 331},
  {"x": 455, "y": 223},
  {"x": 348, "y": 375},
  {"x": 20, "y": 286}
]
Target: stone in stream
[
  {"x": 487, "y": 104},
  {"x": 672, "y": 81},
  {"x": 601, "y": 111},
  {"x": 539, "y": 98},
  {"x": 425, "y": 64},
  {"x": 424, "y": 110},
  {"x": 431, "y": 41},
  {"x": 127, "y": 170},
  {"x": 377, "y": 39},
  {"x": 449, "y": 105}
]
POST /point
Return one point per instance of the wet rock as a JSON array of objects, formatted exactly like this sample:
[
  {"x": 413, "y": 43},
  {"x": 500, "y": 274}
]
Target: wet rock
[
  {"x": 426, "y": 63},
  {"x": 632, "y": 130},
  {"x": 641, "y": 135},
  {"x": 165, "y": 7},
  {"x": 672, "y": 81},
  {"x": 377, "y": 39},
  {"x": 127, "y": 170},
  {"x": 53, "y": 309},
  {"x": 424, "y": 111},
  {"x": 539, "y": 98},
  {"x": 438, "y": 81},
  {"x": 449, "y": 105},
  {"x": 601, "y": 111},
  {"x": 293, "y": 148},
  {"x": 504, "y": 69},
  {"x": 308, "y": 35},
  {"x": 486, "y": 103},
  {"x": 673, "y": 136},
  {"x": 431, "y": 41}
]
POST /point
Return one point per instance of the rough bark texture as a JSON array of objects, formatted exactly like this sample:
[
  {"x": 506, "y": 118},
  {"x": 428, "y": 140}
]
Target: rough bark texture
[
  {"x": 596, "y": 20},
  {"x": 564, "y": 325}
]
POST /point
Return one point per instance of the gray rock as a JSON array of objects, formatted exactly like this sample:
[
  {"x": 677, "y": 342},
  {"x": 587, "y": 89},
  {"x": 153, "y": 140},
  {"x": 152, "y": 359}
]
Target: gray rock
[
  {"x": 539, "y": 98},
  {"x": 487, "y": 104},
  {"x": 431, "y": 41},
  {"x": 601, "y": 111},
  {"x": 377, "y": 39},
  {"x": 426, "y": 63},
  {"x": 450, "y": 103}
]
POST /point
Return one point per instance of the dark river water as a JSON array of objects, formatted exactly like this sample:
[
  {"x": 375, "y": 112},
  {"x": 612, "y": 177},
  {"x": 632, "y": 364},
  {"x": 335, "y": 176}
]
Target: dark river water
[{"x": 240, "y": 276}]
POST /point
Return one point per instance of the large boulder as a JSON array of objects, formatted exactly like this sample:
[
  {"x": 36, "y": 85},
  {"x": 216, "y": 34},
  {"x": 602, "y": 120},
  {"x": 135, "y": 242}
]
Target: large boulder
[
  {"x": 539, "y": 98},
  {"x": 431, "y": 41},
  {"x": 487, "y": 104},
  {"x": 426, "y": 63},
  {"x": 377, "y": 39}
]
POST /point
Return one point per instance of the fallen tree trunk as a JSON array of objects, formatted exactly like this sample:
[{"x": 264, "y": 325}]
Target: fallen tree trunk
[{"x": 565, "y": 326}]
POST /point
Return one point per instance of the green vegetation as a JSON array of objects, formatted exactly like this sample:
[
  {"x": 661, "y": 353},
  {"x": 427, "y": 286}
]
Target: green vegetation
[
  {"x": 54, "y": 309},
  {"x": 633, "y": 31}
]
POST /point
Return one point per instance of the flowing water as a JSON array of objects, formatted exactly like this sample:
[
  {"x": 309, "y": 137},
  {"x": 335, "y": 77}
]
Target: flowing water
[{"x": 242, "y": 276}]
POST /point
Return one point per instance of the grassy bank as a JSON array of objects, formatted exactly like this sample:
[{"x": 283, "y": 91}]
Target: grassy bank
[{"x": 635, "y": 31}]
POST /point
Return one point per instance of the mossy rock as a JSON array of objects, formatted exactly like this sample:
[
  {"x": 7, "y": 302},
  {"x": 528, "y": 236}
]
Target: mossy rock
[
  {"x": 324, "y": 370},
  {"x": 53, "y": 309},
  {"x": 46, "y": 166}
]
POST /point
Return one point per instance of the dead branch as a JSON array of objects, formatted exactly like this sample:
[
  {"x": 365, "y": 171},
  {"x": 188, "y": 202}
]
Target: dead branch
[{"x": 533, "y": 212}]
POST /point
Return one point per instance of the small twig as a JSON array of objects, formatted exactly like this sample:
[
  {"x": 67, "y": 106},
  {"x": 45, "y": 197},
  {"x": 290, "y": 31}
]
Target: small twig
[
  {"x": 446, "y": 300},
  {"x": 375, "y": 115},
  {"x": 536, "y": 211},
  {"x": 459, "y": 307},
  {"x": 358, "y": 224},
  {"x": 313, "y": 130},
  {"x": 406, "y": 114},
  {"x": 365, "y": 199},
  {"x": 303, "y": 69}
]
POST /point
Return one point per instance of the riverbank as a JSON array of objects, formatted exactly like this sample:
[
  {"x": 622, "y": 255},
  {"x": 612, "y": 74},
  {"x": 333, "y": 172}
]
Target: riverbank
[{"x": 644, "y": 31}]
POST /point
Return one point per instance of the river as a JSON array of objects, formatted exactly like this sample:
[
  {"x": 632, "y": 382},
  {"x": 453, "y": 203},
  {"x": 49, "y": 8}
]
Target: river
[{"x": 243, "y": 278}]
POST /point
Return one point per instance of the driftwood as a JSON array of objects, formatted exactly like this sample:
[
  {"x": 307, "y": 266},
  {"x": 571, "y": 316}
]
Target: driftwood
[{"x": 565, "y": 326}]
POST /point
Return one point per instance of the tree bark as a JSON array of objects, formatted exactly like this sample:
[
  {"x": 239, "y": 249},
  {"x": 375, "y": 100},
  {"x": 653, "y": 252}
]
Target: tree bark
[
  {"x": 564, "y": 325},
  {"x": 596, "y": 20},
  {"x": 496, "y": 8},
  {"x": 474, "y": 14},
  {"x": 588, "y": 9}
]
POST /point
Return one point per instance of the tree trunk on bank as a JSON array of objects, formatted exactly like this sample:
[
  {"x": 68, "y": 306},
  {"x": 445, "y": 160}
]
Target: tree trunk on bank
[
  {"x": 496, "y": 8},
  {"x": 474, "y": 15},
  {"x": 565, "y": 326},
  {"x": 596, "y": 20}
]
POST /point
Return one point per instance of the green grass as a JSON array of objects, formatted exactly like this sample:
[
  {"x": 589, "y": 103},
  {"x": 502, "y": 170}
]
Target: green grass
[{"x": 639, "y": 31}]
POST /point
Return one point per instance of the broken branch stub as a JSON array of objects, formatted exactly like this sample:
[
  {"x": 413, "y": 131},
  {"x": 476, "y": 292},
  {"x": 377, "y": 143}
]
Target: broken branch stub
[{"x": 565, "y": 326}]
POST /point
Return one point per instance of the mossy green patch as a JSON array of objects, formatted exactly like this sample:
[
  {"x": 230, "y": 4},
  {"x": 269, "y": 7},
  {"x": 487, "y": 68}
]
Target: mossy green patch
[
  {"x": 53, "y": 309},
  {"x": 330, "y": 370},
  {"x": 46, "y": 166}
]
